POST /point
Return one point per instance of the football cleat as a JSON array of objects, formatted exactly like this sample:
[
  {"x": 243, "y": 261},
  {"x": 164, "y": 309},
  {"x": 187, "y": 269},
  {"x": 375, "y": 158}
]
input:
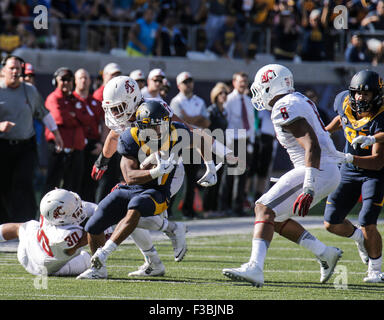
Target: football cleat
[
  {"x": 328, "y": 261},
  {"x": 93, "y": 273},
  {"x": 179, "y": 242},
  {"x": 374, "y": 277},
  {"x": 149, "y": 270},
  {"x": 249, "y": 272}
]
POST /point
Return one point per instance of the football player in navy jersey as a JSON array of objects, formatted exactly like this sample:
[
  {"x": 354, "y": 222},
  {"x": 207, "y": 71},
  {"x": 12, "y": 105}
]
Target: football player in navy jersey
[
  {"x": 360, "y": 114},
  {"x": 146, "y": 192}
]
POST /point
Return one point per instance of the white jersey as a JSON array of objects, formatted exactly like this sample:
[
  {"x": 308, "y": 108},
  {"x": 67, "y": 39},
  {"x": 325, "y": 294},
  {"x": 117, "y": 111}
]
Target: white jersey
[
  {"x": 43, "y": 246},
  {"x": 290, "y": 108}
]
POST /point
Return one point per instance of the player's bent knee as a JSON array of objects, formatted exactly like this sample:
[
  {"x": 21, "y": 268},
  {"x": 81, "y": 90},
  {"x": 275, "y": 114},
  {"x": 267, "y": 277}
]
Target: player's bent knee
[{"x": 264, "y": 213}]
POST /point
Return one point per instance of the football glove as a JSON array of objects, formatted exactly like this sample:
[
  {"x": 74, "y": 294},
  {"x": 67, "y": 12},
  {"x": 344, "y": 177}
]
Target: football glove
[
  {"x": 210, "y": 177},
  {"x": 162, "y": 166},
  {"x": 365, "y": 141},
  {"x": 303, "y": 202},
  {"x": 99, "y": 167}
]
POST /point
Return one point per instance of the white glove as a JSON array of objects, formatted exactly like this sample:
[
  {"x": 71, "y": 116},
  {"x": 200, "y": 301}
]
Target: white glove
[
  {"x": 364, "y": 140},
  {"x": 210, "y": 177},
  {"x": 343, "y": 157},
  {"x": 162, "y": 166}
]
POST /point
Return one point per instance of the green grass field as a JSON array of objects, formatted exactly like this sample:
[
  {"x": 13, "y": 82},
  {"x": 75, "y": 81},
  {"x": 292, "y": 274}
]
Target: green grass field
[{"x": 291, "y": 273}]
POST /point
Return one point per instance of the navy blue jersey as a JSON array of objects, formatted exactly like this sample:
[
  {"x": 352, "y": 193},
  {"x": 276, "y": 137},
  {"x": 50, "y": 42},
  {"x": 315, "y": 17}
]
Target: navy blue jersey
[
  {"x": 353, "y": 127},
  {"x": 131, "y": 145}
]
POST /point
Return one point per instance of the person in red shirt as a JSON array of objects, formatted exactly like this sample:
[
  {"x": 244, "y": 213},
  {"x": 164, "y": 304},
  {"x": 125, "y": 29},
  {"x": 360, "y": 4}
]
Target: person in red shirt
[
  {"x": 65, "y": 164},
  {"x": 113, "y": 174},
  {"x": 92, "y": 110}
]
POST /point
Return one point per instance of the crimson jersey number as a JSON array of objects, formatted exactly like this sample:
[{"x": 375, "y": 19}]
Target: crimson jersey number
[
  {"x": 42, "y": 238},
  {"x": 285, "y": 114}
]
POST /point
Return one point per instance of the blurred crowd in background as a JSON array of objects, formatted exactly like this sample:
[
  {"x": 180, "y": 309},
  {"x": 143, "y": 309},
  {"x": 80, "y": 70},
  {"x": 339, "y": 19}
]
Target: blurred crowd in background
[
  {"x": 301, "y": 30},
  {"x": 287, "y": 29}
]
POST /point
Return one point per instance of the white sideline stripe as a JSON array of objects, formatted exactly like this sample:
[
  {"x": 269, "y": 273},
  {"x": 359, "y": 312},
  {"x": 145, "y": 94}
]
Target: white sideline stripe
[{"x": 77, "y": 297}]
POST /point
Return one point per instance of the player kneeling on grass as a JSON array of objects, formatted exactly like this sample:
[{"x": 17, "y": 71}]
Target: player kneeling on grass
[{"x": 301, "y": 132}]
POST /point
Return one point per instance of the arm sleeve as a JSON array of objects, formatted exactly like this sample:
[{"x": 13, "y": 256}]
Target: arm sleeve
[{"x": 49, "y": 122}]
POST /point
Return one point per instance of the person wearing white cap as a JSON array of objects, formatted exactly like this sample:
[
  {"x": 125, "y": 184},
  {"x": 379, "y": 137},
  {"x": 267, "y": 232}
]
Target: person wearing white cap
[
  {"x": 139, "y": 77},
  {"x": 192, "y": 109},
  {"x": 110, "y": 71},
  {"x": 154, "y": 84}
]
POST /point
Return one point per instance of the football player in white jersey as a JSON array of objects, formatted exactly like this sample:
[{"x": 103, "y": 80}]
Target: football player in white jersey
[
  {"x": 301, "y": 132},
  {"x": 53, "y": 245}
]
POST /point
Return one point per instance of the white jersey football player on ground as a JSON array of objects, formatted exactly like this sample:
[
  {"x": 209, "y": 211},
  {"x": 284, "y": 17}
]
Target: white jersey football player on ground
[
  {"x": 301, "y": 132},
  {"x": 53, "y": 245}
]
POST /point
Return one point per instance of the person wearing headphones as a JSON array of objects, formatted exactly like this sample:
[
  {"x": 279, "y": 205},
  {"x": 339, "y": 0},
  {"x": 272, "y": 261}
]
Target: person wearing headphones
[
  {"x": 20, "y": 104},
  {"x": 65, "y": 165}
]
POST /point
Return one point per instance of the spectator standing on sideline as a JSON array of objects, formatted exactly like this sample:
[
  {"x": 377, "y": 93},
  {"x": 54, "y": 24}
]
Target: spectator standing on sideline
[
  {"x": 165, "y": 89},
  {"x": 191, "y": 109},
  {"x": 21, "y": 103},
  {"x": 110, "y": 71},
  {"x": 240, "y": 117},
  {"x": 65, "y": 164},
  {"x": 113, "y": 174},
  {"x": 154, "y": 84},
  {"x": 219, "y": 121},
  {"x": 93, "y": 112},
  {"x": 139, "y": 77}
]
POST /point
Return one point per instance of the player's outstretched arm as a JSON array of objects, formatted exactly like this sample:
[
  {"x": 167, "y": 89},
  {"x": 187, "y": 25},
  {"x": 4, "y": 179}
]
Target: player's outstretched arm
[{"x": 334, "y": 125}]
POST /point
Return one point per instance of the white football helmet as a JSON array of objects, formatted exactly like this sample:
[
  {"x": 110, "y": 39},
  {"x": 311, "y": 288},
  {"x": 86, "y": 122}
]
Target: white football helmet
[
  {"x": 62, "y": 207},
  {"x": 121, "y": 97},
  {"x": 270, "y": 81}
]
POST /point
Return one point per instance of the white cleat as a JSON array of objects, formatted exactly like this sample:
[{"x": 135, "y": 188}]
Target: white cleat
[
  {"x": 374, "y": 277},
  {"x": 362, "y": 252},
  {"x": 149, "y": 270},
  {"x": 98, "y": 270},
  {"x": 93, "y": 273},
  {"x": 179, "y": 242},
  {"x": 249, "y": 272},
  {"x": 328, "y": 261}
]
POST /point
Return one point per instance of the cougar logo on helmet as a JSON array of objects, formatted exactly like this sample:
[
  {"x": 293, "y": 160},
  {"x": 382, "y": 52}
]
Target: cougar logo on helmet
[
  {"x": 129, "y": 87},
  {"x": 57, "y": 212},
  {"x": 268, "y": 75}
]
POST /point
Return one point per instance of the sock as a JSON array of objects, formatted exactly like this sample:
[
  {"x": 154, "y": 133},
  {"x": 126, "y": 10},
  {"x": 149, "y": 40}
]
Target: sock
[
  {"x": 311, "y": 243},
  {"x": 374, "y": 264},
  {"x": 109, "y": 247},
  {"x": 357, "y": 235},
  {"x": 151, "y": 256},
  {"x": 1, "y": 234},
  {"x": 259, "y": 252}
]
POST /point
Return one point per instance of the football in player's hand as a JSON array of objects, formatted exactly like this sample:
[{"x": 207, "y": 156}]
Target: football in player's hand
[{"x": 149, "y": 162}]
